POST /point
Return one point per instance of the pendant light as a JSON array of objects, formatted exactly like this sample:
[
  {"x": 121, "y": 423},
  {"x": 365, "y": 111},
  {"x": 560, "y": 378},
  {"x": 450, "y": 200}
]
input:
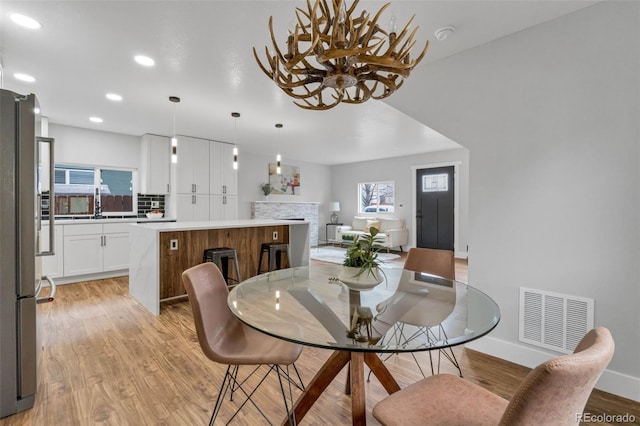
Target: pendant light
[
  {"x": 235, "y": 116},
  {"x": 278, "y": 157},
  {"x": 174, "y": 139}
]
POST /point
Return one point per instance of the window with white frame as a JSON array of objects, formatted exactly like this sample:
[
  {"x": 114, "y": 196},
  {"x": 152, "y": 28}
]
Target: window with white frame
[
  {"x": 376, "y": 197},
  {"x": 80, "y": 189}
]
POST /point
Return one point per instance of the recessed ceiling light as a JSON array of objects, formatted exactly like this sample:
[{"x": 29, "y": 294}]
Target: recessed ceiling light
[
  {"x": 444, "y": 32},
  {"x": 114, "y": 97},
  {"x": 96, "y": 119},
  {"x": 24, "y": 77},
  {"x": 144, "y": 60},
  {"x": 25, "y": 21}
]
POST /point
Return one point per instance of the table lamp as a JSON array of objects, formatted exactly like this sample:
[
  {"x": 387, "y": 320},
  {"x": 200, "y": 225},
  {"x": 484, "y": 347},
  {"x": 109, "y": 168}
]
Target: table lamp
[{"x": 334, "y": 206}]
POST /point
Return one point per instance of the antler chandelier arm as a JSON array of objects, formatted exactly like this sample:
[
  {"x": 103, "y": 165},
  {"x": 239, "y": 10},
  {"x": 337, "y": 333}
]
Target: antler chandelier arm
[
  {"x": 320, "y": 105},
  {"x": 373, "y": 27},
  {"x": 328, "y": 49}
]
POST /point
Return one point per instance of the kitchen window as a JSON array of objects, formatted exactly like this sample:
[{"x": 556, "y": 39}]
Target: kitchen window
[
  {"x": 376, "y": 197},
  {"x": 83, "y": 190}
]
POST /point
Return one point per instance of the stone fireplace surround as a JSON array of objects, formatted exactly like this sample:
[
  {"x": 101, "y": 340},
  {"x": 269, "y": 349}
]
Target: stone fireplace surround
[{"x": 289, "y": 210}]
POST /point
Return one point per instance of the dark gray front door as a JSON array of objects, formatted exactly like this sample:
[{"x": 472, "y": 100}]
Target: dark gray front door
[{"x": 435, "y": 208}]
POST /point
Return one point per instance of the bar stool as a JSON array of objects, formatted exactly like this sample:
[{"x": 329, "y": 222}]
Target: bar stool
[
  {"x": 221, "y": 257},
  {"x": 274, "y": 255}
]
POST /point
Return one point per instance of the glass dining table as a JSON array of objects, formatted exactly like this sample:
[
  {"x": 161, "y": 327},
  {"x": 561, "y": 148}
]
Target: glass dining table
[{"x": 408, "y": 312}]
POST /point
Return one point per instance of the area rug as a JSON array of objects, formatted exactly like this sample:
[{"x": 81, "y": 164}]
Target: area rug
[{"x": 336, "y": 255}]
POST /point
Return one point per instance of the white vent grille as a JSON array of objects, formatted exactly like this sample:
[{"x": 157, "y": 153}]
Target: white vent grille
[{"x": 554, "y": 321}]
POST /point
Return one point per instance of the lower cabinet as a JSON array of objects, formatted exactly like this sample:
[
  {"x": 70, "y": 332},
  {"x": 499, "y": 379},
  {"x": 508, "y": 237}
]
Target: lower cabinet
[
  {"x": 52, "y": 266},
  {"x": 95, "y": 248}
]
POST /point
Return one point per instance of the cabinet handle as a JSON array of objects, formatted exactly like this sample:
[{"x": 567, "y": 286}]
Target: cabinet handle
[
  {"x": 168, "y": 187},
  {"x": 224, "y": 199},
  {"x": 105, "y": 240},
  {"x": 195, "y": 187},
  {"x": 224, "y": 189}
]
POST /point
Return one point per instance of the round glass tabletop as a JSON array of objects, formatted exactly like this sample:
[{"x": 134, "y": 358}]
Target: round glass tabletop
[{"x": 409, "y": 311}]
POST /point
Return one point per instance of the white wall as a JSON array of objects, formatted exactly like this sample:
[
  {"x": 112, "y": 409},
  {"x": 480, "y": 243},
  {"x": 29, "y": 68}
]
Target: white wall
[
  {"x": 345, "y": 179},
  {"x": 253, "y": 171},
  {"x": 550, "y": 116},
  {"x": 74, "y": 145}
]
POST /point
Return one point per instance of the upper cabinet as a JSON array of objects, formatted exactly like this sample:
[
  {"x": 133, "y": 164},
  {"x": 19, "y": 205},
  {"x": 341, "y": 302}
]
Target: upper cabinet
[
  {"x": 193, "y": 166},
  {"x": 207, "y": 184},
  {"x": 155, "y": 165},
  {"x": 223, "y": 178}
]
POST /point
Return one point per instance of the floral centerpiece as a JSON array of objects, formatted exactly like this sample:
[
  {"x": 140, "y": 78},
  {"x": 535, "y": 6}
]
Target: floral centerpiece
[{"x": 361, "y": 265}]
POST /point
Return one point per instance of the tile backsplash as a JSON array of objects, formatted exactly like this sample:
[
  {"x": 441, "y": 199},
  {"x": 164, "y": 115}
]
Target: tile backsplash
[{"x": 145, "y": 203}]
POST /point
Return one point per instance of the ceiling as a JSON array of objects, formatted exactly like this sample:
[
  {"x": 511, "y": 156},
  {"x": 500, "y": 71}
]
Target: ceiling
[{"x": 202, "y": 51}]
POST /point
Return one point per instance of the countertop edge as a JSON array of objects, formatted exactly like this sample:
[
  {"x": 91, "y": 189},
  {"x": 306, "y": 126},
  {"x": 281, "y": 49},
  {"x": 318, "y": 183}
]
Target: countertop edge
[{"x": 218, "y": 224}]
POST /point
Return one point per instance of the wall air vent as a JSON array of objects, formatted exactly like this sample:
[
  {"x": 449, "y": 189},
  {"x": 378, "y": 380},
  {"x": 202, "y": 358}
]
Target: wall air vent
[{"x": 554, "y": 321}]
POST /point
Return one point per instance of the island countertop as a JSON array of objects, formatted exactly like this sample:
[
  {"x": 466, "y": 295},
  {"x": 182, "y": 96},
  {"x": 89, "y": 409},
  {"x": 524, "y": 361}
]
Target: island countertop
[
  {"x": 219, "y": 224},
  {"x": 160, "y": 252}
]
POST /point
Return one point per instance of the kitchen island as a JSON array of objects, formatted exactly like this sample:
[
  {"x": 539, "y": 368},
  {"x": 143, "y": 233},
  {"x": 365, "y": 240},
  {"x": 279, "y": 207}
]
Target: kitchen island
[{"x": 160, "y": 252}]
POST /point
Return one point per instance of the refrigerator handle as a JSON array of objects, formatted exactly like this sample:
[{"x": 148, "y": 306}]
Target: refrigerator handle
[
  {"x": 52, "y": 199},
  {"x": 52, "y": 292}
]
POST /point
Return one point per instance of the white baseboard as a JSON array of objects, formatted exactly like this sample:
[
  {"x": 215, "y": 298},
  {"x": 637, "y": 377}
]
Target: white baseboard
[
  {"x": 461, "y": 255},
  {"x": 611, "y": 381},
  {"x": 89, "y": 277}
]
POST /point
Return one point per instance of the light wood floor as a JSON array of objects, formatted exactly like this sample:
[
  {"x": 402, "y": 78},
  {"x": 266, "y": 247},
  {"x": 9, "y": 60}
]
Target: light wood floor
[{"x": 106, "y": 360}]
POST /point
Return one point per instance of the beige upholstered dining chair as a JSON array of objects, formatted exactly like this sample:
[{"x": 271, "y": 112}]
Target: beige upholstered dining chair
[
  {"x": 435, "y": 262},
  {"x": 226, "y": 340},
  {"x": 431, "y": 261},
  {"x": 554, "y": 393}
]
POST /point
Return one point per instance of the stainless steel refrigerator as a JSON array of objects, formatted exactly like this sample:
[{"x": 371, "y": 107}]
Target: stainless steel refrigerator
[{"x": 21, "y": 182}]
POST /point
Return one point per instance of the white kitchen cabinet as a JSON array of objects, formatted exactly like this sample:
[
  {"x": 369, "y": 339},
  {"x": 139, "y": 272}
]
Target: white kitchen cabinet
[
  {"x": 223, "y": 207},
  {"x": 192, "y": 179},
  {"x": 155, "y": 164},
  {"x": 193, "y": 166},
  {"x": 115, "y": 246},
  {"x": 192, "y": 207},
  {"x": 224, "y": 179},
  {"x": 83, "y": 249},
  {"x": 52, "y": 266},
  {"x": 95, "y": 248}
]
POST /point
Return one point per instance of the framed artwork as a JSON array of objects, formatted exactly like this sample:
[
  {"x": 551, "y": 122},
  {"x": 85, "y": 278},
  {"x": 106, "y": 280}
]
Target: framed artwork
[{"x": 287, "y": 182}]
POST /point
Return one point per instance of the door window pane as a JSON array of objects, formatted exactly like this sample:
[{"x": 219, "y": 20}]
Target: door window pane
[{"x": 435, "y": 183}]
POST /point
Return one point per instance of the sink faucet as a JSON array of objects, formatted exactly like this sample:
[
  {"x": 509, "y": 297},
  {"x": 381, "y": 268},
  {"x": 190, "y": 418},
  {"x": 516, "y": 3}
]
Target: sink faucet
[{"x": 97, "y": 211}]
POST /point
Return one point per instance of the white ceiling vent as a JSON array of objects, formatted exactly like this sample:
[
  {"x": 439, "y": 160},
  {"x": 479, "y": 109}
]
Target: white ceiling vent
[{"x": 554, "y": 321}]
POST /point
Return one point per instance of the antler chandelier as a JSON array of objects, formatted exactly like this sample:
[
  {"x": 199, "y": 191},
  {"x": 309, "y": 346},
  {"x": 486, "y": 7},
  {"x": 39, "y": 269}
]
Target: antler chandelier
[{"x": 345, "y": 59}]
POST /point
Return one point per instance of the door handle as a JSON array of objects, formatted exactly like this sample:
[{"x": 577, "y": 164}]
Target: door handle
[{"x": 52, "y": 197}]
